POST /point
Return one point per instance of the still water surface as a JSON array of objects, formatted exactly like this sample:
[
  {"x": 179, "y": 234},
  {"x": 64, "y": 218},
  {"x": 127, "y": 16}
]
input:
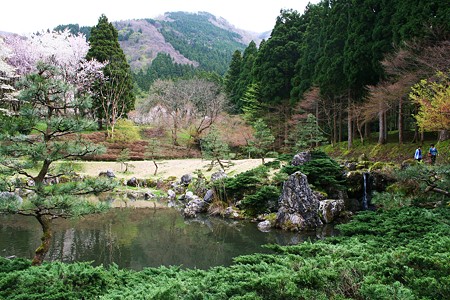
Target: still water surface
[{"x": 138, "y": 238}]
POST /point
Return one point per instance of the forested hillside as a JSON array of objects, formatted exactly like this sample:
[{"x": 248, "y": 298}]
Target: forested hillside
[
  {"x": 176, "y": 43},
  {"x": 355, "y": 66}
]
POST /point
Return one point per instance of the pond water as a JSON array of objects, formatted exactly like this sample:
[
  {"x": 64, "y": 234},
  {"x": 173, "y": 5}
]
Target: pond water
[{"x": 138, "y": 238}]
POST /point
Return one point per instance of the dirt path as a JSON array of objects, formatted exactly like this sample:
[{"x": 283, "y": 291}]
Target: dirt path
[{"x": 166, "y": 168}]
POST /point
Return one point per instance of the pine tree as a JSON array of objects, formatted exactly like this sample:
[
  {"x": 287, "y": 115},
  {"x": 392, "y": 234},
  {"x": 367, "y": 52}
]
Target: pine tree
[
  {"x": 214, "y": 148},
  {"x": 232, "y": 77},
  {"x": 30, "y": 150},
  {"x": 307, "y": 134},
  {"x": 114, "y": 97},
  {"x": 262, "y": 140}
]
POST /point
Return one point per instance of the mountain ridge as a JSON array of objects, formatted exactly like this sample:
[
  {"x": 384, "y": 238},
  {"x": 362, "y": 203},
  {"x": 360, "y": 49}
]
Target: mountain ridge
[{"x": 199, "y": 39}]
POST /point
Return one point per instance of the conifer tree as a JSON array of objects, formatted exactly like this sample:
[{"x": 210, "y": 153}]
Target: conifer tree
[
  {"x": 232, "y": 77},
  {"x": 262, "y": 140},
  {"x": 114, "y": 97},
  {"x": 307, "y": 134}
]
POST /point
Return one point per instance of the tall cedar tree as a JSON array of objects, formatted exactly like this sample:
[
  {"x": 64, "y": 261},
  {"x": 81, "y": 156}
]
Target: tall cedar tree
[
  {"x": 246, "y": 76},
  {"x": 276, "y": 59},
  {"x": 232, "y": 77},
  {"x": 105, "y": 47}
]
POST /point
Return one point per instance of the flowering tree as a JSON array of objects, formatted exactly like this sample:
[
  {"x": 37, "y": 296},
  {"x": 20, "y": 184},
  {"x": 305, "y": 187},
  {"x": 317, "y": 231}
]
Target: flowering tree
[
  {"x": 62, "y": 50},
  {"x": 7, "y": 91}
]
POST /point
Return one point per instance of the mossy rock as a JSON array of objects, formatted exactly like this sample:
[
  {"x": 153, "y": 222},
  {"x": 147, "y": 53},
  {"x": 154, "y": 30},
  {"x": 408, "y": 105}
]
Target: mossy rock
[
  {"x": 170, "y": 179},
  {"x": 363, "y": 158},
  {"x": 364, "y": 165},
  {"x": 150, "y": 183},
  {"x": 381, "y": 166},
  {"x": 409, "y": 162},
  {"x": 64, "y": 179}
]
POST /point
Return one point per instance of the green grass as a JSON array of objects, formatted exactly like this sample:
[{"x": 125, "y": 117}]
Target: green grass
[{"x": 392, "y": 151}]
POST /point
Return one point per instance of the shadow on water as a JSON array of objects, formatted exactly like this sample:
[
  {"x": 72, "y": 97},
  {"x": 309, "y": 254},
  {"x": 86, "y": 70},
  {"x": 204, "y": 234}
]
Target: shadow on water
[{"x": 138, "y": 238}]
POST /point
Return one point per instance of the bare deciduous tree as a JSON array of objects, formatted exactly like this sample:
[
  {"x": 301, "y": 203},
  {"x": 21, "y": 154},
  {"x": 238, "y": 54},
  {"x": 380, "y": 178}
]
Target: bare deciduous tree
[{"x": 195, "y": 104}]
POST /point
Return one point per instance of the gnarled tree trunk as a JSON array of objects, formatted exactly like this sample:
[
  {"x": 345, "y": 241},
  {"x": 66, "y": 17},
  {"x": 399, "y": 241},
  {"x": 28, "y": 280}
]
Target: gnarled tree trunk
[{"x": 46, "y": 238}]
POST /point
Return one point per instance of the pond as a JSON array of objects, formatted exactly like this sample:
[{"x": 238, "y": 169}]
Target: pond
[{"x": 138, "y": 238}]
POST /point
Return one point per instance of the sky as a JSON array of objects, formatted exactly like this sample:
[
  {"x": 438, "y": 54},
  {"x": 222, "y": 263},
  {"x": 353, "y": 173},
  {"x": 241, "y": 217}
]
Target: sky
[{"x": 26, "y": 16}]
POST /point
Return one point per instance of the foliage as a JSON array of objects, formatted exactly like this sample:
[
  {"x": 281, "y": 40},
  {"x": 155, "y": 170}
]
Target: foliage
[
  {"x": 114, "y": 96},
  {"x": 264, "y": 200},
  {"x": 390, "y": 200},
  {"x": 433, "y": 96},
  {"x": 262, "y": 140},
  {"x": 399, "y": 254},
  {"x": 162, "y": 67},
  {"x": 75, "y": 29},
  {"x": 198, "y": 39},
  {"x": 126, "y": 131},
  {"x": 243, "y": 184},
  {"x": 307, "y": 134},
  {"x": 426, "y": 183},
  {"x": 213, "y": 147},
  {"x": 323, "y": 172},
  {"x": 49, "y": 109}
]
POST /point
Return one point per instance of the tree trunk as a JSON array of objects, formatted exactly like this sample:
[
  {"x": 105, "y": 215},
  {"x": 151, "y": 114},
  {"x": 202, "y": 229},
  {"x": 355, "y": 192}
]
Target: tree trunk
[
  {"x": 340, "y": 123},
  {"x": 156, "y": 167},
  {"x": 44, "y": 170},
  {"x": 335, "y": 135},
  {"x": 366, "y": 130},
  {"x": 444, "y": 135},
  {"x": 46, "y": 238},
  {"x": 400, "y": 121},
  {"x": 382, "y": 127},
  {"x": 349, "y": 125}
]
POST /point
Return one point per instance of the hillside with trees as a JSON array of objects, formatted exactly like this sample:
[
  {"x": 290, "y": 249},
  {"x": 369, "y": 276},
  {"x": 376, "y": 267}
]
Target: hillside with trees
[{"x": 353, "y": 65}]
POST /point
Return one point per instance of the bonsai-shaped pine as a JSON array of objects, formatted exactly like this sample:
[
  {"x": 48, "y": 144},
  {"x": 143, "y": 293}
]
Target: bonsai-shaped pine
[
  {"x": 124, "y": 160},
  {"x": 51, "y": 134},
  {"x": 262, "y": 140},
  {"x": 150, "y": 152},
  {"x": 214, "y": 148}
]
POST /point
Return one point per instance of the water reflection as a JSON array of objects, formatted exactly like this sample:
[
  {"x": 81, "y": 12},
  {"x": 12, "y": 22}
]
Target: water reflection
[{"x": 137, "y": 238}]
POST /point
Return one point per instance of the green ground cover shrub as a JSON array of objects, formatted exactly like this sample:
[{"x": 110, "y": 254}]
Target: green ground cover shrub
[
  {"x": 396, "y": 254},
  {"x": 323, "y": 172}
]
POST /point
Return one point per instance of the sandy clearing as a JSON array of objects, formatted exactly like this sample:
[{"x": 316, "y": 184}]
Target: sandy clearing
[{"x": 166, "y": 168}]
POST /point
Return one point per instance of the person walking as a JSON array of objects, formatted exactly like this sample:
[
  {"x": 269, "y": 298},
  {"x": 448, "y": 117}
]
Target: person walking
[
  {"x": 418, "y": 154},
  {"x": 433, "y": 152}
]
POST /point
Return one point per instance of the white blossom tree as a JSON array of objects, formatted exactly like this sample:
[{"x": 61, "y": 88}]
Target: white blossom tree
[{"x": 62, "y": 50}]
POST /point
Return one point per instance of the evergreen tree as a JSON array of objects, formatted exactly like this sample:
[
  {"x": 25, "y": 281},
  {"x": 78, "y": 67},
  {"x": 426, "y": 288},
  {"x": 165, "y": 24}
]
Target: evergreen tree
[
  {"x": 246, "y": 77},
  {"x": 118, "y": 84},
  {"x": 251, "y": 107},
  {"x": 262, "y": 140},
  {"x": 214, "y": 148},
  {"x": 307, "y": 134},
  {"x": 276, "y": 59},
  {"x": 232, "y": 77}
]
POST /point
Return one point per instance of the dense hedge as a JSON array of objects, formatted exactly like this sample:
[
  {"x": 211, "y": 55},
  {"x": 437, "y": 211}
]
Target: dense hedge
[{"x": 399, "y": 254}]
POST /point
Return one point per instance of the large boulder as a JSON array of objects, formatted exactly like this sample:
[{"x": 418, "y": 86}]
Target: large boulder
[
  {"x": 330, "y": 210},
  {"x": 108, "y": 173},
  {"x": 298, "y": 205},
  {"x": 218, "y": 175},
  {"x": 301, "y": 158},
  {"x": 194, "y": 206},
  {"x": 186, "y": 179}
]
